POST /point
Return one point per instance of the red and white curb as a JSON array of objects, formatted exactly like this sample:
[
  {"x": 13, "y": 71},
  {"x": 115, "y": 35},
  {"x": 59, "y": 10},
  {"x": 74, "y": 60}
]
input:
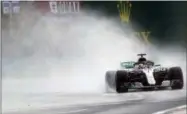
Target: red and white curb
[{"x": 168, "y": 111}]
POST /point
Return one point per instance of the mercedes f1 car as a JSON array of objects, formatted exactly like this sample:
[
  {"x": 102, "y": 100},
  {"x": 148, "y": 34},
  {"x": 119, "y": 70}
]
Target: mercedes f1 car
[{"x": 143, "y": 74}]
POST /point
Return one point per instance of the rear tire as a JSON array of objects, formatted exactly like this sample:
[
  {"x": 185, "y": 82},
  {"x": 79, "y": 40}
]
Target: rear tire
[
  {"x": 110, "y": 84},
  {"x": 176, "y": 78},
  {"x": 122, "y": 82}
]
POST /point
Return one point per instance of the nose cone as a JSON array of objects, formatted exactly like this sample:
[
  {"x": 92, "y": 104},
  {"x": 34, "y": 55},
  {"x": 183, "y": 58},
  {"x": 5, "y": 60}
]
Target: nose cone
[{"x": 149, "y": 75}]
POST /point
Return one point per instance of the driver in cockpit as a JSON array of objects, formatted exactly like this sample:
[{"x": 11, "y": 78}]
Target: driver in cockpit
[
  {"x": 141, "y": 60},
  {"x": 140, "y": 63}
]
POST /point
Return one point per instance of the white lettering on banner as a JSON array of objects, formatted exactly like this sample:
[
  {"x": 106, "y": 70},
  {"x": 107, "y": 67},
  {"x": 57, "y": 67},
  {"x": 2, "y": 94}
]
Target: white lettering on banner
[
  {"x": 64, "y": 7},
  {"x": 15, "y": 6},
  {"x": 74, "y": 6},
  {"x": 6, "y": 7},
  {"x": 11, "y": 7},
  {"x": 53, "y": 6}
]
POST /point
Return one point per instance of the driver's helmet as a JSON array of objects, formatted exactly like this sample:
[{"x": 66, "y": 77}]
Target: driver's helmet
[{"x": 142, "y": 59}]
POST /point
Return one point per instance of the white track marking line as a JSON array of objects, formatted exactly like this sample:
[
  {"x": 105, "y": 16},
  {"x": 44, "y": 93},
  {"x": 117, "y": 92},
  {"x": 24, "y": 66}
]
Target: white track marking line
[
  {"x": 74, "y": 111},
  {"x": 170, "y": 110}
]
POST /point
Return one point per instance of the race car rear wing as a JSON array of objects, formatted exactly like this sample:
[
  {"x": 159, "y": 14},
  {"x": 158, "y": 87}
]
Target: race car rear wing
[{"x": 141, "y": 54}]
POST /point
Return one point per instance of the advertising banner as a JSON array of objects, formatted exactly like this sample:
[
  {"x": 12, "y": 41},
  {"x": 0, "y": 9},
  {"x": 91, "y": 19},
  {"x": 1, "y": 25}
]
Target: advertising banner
[
  {"x": 6, "y": 7},
  {"x": 10, "y": 7},
  {"x": 62, "y": 7},
  {"x": 15, "y": 6}
]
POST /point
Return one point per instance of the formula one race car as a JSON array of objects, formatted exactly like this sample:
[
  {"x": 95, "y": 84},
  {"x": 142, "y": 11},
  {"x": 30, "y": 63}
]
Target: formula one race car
[{"x": 143, "y": 74}]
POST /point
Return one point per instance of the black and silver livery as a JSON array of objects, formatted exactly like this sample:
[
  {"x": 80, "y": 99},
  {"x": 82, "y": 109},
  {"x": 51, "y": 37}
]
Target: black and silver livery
[{"x": 143, "y": 74}]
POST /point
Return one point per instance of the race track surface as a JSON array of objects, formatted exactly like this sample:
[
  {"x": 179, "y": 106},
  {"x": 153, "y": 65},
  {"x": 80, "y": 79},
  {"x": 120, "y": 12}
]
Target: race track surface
[{"x": 143, "y": 103}]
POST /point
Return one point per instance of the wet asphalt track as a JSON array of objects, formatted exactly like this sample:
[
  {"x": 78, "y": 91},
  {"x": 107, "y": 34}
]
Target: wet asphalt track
[
  {"x": 139, "y": 107},
  {"x": 143, "y": 106}
]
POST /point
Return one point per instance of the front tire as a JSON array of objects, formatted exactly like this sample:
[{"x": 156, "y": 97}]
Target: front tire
[
  {"x": 121, "y": 82},
  {"x": 176, "y": 78},
  {"x": 110, "y": 84}
]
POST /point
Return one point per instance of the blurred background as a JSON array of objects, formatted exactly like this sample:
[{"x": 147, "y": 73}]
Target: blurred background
[
  {"x": 45, "y": 50},
  {"x": 163, "y": 22}
]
